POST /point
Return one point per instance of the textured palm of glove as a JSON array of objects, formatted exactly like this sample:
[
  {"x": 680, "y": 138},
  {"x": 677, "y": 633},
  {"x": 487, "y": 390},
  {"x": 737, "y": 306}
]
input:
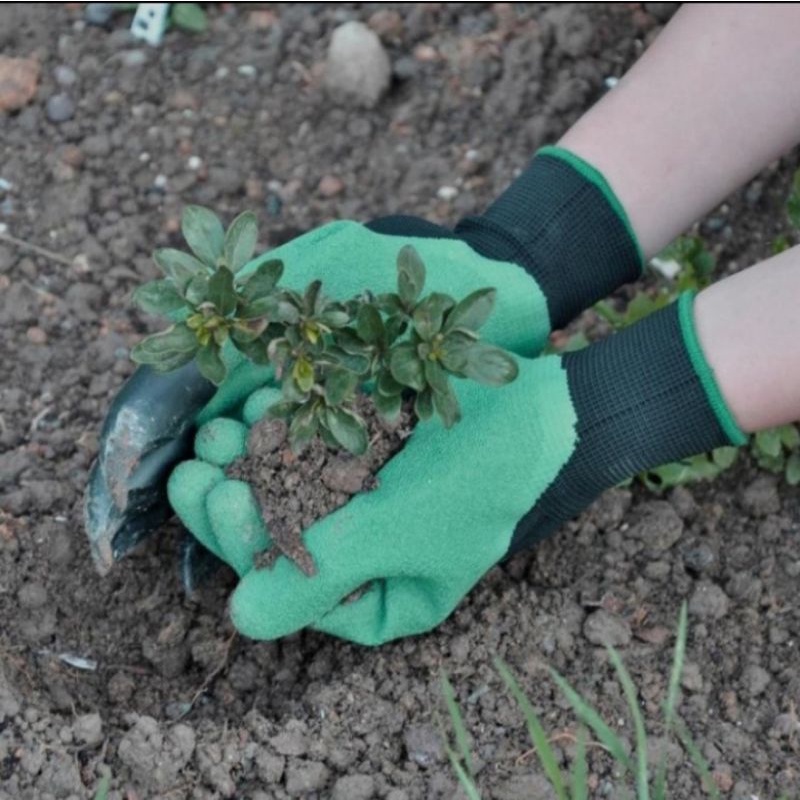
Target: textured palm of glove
[
  {"x": 453, "y": 503},
  {"x": 349, "y": 258},
  {"x": 446, "y": 510}
]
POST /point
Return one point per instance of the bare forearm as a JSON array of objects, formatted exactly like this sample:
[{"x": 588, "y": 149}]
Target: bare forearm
[
  {"x": 748, "y": 328},
  {"x": 710, "y": 104}
]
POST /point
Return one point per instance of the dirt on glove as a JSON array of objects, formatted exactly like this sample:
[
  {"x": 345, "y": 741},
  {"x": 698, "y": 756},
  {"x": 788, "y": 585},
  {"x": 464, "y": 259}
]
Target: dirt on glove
[{"x": 293, "y": 490}]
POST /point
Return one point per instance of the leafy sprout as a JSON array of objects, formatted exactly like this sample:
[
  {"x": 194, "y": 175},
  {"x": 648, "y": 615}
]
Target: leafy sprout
[{"x": 404, "y": 345}]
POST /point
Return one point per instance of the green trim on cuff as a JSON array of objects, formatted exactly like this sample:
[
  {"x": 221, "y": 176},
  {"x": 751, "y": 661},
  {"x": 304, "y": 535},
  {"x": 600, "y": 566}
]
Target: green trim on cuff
[
  {"x": 594, "y": 176},
  {"x": 704, "y": 371}
]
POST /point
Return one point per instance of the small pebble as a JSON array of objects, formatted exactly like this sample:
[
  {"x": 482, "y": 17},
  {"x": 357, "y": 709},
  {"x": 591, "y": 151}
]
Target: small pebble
[
  {"x": 64, "y": 75},
  {"x": 447, "y": 192},
  {"x": 60, "y": 108},
  {"x": 330, "y": 186},
  {"x": 36, "y": 335}
]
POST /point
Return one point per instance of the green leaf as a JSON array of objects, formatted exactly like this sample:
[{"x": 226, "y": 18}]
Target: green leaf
[
  {"x": 248, "y": 330},
  {"x": 472, "y": 312},
  {"x": 541, "y": 743},
  {"x": 724, "y": 457},
  {"x": 303, "y": 374},
  {"x": 335, "y": 355},
  {"x": 589, "y": 716},
  {"x": 388, "y": 405},
  {"x": 790, "y": 436},
  {"x": 490, "y": 365},
  {"x": 347, "y": 339},
  {"x": 446, "y": 406},
  {"x": 436, "y": 376},
  {"x": 429, "y": 314},
  {"x": 221, "y": 292},
  {"x": 196, "y": 291},
  {"x": 203, "y": 233},
  {"x": 697, "y": 758},
  {"x": 793, "y": 202},
  {"x": 454, "y": 351},
  {"x": 348, "y": 429},
  {"x": 369, "y": 325},
  {"x": 240, "y": 241},
  {"x": 579, "y": 779},
  {"x": 256, "y": 350},
  {"x": 387, "y": 385},
  {"x": 423, "y": 405},
  {"x": 340, "y": 384},
  {"x": 283, "y": 409},
  {"x": 459, "y": 729},
  {"x": 262, "y": 280},
  {"x": 103, "y": 788},
  {"x": 264, "y": 307},
  {"x": 410, "y": 275},
  {"x": 768, "y": 442},
  {"x": 395, "y": 327},
  {"x": 303, "y": 427},
  {"x": 158, "y": 297},
  {"x": 406, "y": 367},
  {"x": 189, "y": 17},
  {"x": 793, "y": 470},
  {"x": 167, "y": 350},
  {"x": 210, "y": 364},
  {"x": 179, "y": 266},
  {"x": 334, "y": 317},
  {"x": 390, "y": 304},
  {"x": 312, "y": 297},
  {"x": 631, "y": 695}
]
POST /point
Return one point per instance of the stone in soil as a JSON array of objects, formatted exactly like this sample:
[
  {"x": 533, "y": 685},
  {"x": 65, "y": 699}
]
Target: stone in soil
[
  {"x": 294, "y": 491},
  {"x": 357, "y": 70},
  {"x": 60, "y": 108},
  {"x": 19, "y": 78}
]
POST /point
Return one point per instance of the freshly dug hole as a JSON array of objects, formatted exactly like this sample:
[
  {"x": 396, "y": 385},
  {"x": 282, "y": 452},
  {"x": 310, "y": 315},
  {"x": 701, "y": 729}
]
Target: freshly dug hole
[{"x": 294, "y": 491}]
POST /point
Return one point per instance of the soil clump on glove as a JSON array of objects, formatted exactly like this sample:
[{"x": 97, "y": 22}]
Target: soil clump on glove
[{"x": 295, "y": 490}]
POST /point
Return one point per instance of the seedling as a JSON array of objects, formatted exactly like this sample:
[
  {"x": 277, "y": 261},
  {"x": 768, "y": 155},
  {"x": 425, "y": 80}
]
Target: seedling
[{"x": 403, "y": 345}]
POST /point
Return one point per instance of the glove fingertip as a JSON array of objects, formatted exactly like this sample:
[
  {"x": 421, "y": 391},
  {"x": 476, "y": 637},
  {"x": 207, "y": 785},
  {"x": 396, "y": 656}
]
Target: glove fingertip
[
  {"x": 237, "y": 524},
  {"x": 187, "y": 488},
  {"x": 221, "y": 441},
  {"x": 256, "y": 406}
]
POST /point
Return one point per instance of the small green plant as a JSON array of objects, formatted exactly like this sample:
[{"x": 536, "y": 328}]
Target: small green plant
[
  {"x": 649, "y": 784},
  {"x": 404, "y": 345},
  {"x": 188, "y": 17},
  {"x": 777, "y": 450}
]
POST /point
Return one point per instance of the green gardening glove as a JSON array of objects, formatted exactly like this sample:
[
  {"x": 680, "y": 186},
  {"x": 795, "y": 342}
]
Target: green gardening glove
[{"x": 452, "y": 503}]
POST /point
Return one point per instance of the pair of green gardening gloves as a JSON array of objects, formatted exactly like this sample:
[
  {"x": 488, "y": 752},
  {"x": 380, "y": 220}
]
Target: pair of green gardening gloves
[{"x": 526, "y": 458}]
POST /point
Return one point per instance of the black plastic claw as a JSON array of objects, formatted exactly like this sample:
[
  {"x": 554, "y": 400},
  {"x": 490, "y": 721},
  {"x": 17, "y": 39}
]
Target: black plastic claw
[
  {"x": 198, "y": 563},
  {"x": 147, "y": 430}
]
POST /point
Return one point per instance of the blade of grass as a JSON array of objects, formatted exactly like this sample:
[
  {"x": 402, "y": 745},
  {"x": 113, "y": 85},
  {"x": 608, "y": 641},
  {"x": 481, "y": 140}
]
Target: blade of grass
[
  {"x": 465, "y": 780},
  {"x": 539, "y": 738},
  {"x": 700, "y": 764},
  {"x": 660, "y": 786},
  {"x": 103, "y": 788},
  {"x": 580, "y": 770},
  {"x": 587, "y": 714},
  {"x": 459, "y": 729},
  {"x": 642, "y": 789}
]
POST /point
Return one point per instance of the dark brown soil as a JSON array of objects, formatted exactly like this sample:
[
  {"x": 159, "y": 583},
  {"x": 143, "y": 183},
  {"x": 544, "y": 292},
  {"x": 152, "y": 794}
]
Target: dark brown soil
[
  {"x": 170, "y": 704},
  {"x": 294, "y": 491}
]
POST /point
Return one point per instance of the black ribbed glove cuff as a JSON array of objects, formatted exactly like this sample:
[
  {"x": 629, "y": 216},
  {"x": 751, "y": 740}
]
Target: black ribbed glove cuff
[
  {"x": 562, "y": 223},
  {"x": 643, "y": 397}
]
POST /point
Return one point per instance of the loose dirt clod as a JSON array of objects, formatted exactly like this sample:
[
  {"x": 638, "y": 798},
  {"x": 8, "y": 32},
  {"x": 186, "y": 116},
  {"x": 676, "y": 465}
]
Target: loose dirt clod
[{"x": 294, "y": 491}]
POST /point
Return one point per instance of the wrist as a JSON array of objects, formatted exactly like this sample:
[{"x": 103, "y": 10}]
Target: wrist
[{"x": 562, "y": 222}]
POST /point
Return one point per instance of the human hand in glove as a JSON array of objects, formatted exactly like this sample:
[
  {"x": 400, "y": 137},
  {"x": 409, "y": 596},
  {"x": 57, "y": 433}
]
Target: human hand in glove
[{"x": 452, "y": 503}]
